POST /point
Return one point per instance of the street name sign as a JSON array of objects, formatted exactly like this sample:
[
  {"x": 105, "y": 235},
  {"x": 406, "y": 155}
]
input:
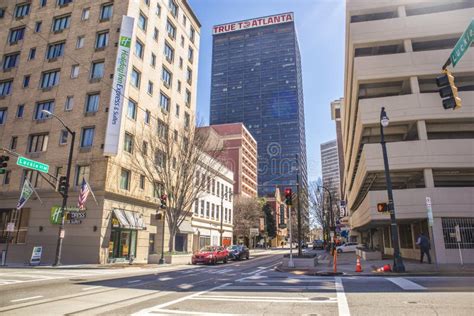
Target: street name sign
[
  {"x": 429, "y": 211},
  {"x": 462, "y": 44},
  {"x": 32, "y": 164}
]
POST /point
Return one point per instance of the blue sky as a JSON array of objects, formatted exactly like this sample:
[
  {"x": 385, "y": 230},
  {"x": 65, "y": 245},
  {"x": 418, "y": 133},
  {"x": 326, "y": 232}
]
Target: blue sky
[{"x": 320, "y": 25}]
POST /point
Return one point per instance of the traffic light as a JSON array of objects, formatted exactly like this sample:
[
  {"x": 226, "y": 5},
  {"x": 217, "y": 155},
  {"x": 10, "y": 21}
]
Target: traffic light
[
  {"x": 62, "y": 185},
  {"x": 3, "y": 164},
  {"x": 288, "y": 197},
  {"x": 382, "y": 207},
  {"x": 163, "y": 200},
  {"x": 448, "y": 91}
]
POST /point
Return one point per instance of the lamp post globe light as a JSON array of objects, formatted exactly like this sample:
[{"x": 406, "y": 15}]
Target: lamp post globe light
[
  {"x": 397, "y": 258},
  {"x": 59, "y": 245}
]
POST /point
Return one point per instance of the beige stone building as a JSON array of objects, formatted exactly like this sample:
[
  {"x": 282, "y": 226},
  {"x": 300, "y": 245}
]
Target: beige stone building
[
  {"x": 62, "y": 56},
  {"x": 394, "y": 51}
]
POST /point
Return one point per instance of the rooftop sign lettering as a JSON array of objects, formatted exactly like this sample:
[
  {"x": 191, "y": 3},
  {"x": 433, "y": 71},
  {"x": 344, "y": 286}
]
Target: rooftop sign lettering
[{"x": 248, "y": 24}]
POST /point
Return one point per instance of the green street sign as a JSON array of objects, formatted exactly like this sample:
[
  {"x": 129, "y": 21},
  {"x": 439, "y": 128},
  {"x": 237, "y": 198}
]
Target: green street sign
[
  {"x": 32, "y": 164},
  {"x": 463, "y": 44}
]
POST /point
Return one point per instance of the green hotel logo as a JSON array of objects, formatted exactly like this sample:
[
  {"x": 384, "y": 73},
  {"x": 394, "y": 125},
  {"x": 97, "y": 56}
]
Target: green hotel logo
[
  {"x": 125, "y": 41},
  {"x": 55, "y": 217}
]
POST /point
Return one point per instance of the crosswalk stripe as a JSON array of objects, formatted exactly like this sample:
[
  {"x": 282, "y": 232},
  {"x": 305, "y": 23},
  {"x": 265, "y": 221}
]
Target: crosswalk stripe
[{"x": 406, "y": 284}]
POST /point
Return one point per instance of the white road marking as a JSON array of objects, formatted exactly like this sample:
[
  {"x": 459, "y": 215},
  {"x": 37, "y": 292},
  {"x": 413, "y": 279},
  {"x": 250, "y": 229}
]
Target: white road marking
[
  {"x": 164, "y": 279},
  {"x": 91, "y": 288},
  {"x": 406, "y": 284},
  {"x": 251, "y": 299},
  {"x": 260, "y": 297},
  {"x": 179, "y": 300},
  {"x": 26, "y": 298},
  {"x": 133, "y": 281},
  {"x": 278, "y": 288},
  {"x": 171, "y": 311},
  {"x": 342, "y": 305}
]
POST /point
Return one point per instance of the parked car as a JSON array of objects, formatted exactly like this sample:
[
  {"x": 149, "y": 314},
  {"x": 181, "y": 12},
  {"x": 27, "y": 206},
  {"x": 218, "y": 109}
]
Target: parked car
[
  {"x": 303, "y": 245},
  {"x": 349, "y": 247},
  {"x": 210, "y": 255},
  {"x": 318, "y": 244},
  {"x": 238, "y": 252}
]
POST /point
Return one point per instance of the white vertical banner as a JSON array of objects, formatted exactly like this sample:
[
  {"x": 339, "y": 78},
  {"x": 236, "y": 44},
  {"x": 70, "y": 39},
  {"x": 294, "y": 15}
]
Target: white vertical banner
[{"x": 112, "y": 134}]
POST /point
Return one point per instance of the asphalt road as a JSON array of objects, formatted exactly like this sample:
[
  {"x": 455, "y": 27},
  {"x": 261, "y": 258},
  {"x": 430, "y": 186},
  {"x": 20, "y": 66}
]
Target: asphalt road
[{"x": 244, "y": 287}]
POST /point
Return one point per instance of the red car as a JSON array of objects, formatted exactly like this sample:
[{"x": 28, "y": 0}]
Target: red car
[{"x": 210, "y": 255}]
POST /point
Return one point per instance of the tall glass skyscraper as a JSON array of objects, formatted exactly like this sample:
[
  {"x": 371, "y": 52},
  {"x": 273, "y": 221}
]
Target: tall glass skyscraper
[{"x": 256, "y": 79}]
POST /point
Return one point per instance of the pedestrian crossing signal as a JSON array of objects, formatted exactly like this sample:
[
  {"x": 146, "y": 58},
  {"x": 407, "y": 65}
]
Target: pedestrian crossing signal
[{"x": 382, "y": 207}]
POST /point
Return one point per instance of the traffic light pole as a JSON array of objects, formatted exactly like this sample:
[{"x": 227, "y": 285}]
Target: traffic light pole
[
  {"x": 397, "y": 258},
  {"x": 59, "y": 244},
  {"x": 300, "y": 245},
  {"x": 291, "y": 264}
]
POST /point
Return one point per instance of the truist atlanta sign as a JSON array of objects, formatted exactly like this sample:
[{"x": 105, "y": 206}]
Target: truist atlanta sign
[
  {"x": 249, "y": 24},
  {"x": 112, "y": 135}
]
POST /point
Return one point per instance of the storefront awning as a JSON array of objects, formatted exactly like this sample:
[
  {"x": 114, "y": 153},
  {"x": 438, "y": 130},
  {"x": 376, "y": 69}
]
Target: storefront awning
[
  {"x": 186, "y": 228},
  {"x": 130, "y": 220}
]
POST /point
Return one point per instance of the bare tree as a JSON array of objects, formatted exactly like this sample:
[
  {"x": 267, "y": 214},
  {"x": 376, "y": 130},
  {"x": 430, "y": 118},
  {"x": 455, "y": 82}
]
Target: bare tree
[
  {"x": 180, "y": 163},
  {"x": 247, "y": 214},
  {"x": 316, "y": 200}
]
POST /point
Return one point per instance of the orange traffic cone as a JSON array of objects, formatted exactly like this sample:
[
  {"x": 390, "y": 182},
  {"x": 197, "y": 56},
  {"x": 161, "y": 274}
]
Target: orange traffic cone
[{"x": 358, "y": 265}]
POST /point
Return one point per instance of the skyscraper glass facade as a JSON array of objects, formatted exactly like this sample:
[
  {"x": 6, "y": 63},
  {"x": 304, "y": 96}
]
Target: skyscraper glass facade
[{"x": 256, "y": 79}]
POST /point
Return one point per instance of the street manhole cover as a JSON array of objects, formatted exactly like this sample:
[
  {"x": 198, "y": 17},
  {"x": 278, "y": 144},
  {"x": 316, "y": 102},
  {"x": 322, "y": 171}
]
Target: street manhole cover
[{"x": 319, "y": 298}]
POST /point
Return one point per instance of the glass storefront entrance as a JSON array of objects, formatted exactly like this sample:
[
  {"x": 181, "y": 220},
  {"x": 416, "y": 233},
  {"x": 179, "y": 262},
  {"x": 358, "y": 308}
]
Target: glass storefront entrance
[{"x": 123, "y": 243}]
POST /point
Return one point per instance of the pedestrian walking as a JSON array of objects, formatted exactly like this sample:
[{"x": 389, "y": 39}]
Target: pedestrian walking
[{"x": 424, "y": 243}]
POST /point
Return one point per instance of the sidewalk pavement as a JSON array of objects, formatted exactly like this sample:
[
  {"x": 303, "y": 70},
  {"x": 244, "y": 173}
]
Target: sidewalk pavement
[{"x": 346, "y": 265}]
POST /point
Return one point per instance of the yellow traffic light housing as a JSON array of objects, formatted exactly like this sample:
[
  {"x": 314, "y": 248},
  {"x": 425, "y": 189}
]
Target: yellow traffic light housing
[{"x": 448, "y": 91}]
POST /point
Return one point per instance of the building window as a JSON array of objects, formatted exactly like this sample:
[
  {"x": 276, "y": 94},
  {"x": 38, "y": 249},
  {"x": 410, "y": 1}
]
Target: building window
[
  {"x": 63, "y": 137},
  {"x": 187, "y": 98},
  {"x": 169, "y": 53},
  {"x": 179, "y": 85},
  {"x": 106, "y": 12},
  {"x": 213, "y": 185},
  {"x": 173, "y": 8},
  {"x": 164, "y": 102},
  {"x": 187, "y": 120},
  {"x": 175, "y": 135},
  {"x": 135, "y": 78},
  {"x": 150, "y": 87},
  {"x": 192, "y": 34},
  {"x": 158, "y": 189},
  {"x": 87, "y": 137},
  {"x": 213, "y": 210},
  {"x": 202, "y": 207},
  {"x": 61, "y": 23},
  {"x": 218, "y": 190},
  {"x": 80, "y": 41},
  {"x": 147, "y": 117},
  {"x": 155, "y": 34},
  {"x": 139, "y": 48},
  {"x": 11, "y": 60},
  {"x": 20, "y": 110},
  {"x": 38, "y": 143},
  {"x": 162, "y": 129},
  {"x": 217, "y": 212},
  {"x": 38, "y": 26},
  {"x": 466, "y": 230},
  {"x": 406, "y": 240},
  {"x": 145, "y": 148},
  {"x": 69, "y": 104},
  {"x": 128, "y": 143},
  {"x": 190, "y": 54},
  {"x": 196, "y": 207},
  {"x": 74, "y": 71},
  {"x": 142, "y": 182},
  {"x": 171, "y": 29},
  {"x": 3, "y": 116},
  {"x": 181, "y": 63},
  {"x": 189, "y": 75},
  {"x": 158, "y": 9},
  {"x": 185, "y": 20},
  {"x": 160, "y": 159},
  {"x": 49, "y": 79},
  {"x": 55, "y": 50},
  {"x": 16, "y": 35},
  {"x": 26, "y": 81},
  {"x": 177, "y": 110},
  {"x": 166, "y": 76},
  {"x": 5, "y": 87},
  {"x": 102, "y": 40},
  {"x": 32, "y": 53},
  {"x": 132, "y": 110},
  {"x": 92, "y": 103},
  {"x": 97, "y": 71},
  {"x": 22, "y": 10},
  {"x": 142, "y": 21},
  {"x": 82, "y": 172},
  {"x": 13, "y": 142},
  {"x": 47, "y": 106},
  {"x": 182, "y": 41},
  {"x": 208, "y": 207},
  {"x": 64, "y": 2},
  {"x": 85, "y": 14},
  {"x": 153, "y": 60},
  {"x": 43, "y": 3}
]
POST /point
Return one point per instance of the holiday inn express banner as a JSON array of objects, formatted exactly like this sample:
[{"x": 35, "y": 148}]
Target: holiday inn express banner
[{"x": 112, "y": 135}]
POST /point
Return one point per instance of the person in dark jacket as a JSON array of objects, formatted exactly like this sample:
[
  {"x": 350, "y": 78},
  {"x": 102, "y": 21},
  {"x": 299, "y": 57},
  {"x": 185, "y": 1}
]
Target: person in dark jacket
[{"x": 424, "y": 243}]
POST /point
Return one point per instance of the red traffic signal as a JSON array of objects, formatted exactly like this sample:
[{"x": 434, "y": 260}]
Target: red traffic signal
[
  {"x": 382, "y": 207},
  {"x": 163, "y": 200},
  {"x": 288, "y": 196}
]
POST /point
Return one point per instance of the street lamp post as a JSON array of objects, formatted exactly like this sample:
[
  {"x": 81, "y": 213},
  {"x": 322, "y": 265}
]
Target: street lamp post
[
  {"x": 397, "y": 258},
  {"x": 300, "y": 244},
  {"x": 65, "y": 194},
  {"x": 162, "y": 259},
  {"x": 229, "y": 193}
]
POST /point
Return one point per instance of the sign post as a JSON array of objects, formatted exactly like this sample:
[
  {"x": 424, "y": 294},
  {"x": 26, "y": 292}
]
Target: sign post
[
  {"x": 429, "y": 212},
  {"x": 458, "y": 241},
  {"x": 32, "y": 164}
]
